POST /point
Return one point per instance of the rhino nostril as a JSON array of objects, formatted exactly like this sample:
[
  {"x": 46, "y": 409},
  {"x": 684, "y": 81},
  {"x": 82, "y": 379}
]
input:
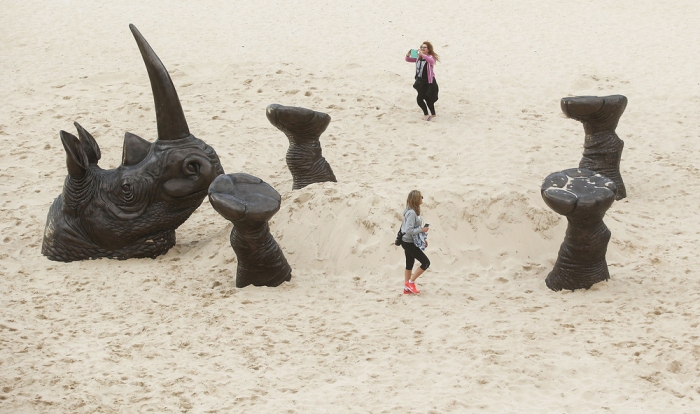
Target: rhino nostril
[{"x": 192, "y": 168}]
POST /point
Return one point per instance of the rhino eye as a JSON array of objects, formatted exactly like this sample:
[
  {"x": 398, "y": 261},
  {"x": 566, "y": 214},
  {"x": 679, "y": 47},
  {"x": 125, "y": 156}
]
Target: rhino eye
[
  {"x": 127, "y": 191},
  {"x": 130, "y": 194}
]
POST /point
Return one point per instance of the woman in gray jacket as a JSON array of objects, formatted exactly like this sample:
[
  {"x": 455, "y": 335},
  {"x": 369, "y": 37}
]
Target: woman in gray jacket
[{"x": 413, "y": 224}]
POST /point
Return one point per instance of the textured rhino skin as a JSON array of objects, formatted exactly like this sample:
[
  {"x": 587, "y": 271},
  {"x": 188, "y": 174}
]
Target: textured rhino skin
[
  {"x": 583, "y": 197},
  {"x": 303, "y": 128},
  {"x": 602, "y": 147},
  {"x": 248, "y": 202},
  {"x": 131, "y": 211}
]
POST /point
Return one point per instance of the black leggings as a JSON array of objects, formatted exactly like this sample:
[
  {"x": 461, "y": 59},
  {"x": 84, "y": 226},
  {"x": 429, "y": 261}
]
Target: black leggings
[
  {"x": 425, "y": 103},
  {"x": 412, "y": 253}
]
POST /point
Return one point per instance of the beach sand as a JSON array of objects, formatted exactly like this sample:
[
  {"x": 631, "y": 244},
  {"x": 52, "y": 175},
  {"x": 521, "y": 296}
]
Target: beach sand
[{"x": 174, "y": 334}]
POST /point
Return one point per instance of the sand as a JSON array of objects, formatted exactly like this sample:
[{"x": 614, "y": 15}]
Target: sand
[{"x": 174, "y": 334}]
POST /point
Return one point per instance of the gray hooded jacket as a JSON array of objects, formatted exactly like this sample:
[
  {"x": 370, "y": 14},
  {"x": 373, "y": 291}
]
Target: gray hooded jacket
[{"x": 412, "y": 224}]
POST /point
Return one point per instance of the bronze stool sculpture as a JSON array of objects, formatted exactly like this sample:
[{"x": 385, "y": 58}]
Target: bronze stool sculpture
[
  {"x": 303, "y": 127},
  {"x": 602, "y": 148},
  {"x": 133, "y": 210},
  {"x": 249, "y": 202},
  {"x": 583, "y": 197}
]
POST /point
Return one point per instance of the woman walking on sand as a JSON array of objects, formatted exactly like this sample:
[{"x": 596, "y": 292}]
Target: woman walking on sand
[
  {"x": 413, "y": 225},
  {"x": 425, "y": 84}
]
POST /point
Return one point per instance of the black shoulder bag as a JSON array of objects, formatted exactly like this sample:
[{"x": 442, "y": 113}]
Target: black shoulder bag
[{"x": 400, "y": 234}]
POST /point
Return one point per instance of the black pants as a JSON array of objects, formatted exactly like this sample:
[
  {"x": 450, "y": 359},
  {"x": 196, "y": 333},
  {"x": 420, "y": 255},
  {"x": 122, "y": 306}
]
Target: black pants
[
  {"x": 427, "y": 95},
  {"x": 412, "y": 253},
  {"x": 425, "y": 104}
]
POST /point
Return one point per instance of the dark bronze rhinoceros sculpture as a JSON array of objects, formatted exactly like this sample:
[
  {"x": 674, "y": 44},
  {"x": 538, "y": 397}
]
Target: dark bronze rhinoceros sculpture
[{"x": 133, "y": 210}]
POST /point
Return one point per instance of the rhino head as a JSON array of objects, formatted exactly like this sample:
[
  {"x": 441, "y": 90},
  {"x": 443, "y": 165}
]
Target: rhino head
[{"x": 132, "y": 210}]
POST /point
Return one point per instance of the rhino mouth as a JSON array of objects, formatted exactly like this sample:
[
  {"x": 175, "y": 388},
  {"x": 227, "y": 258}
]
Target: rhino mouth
[
  {"x": 198, "y": 194},
  {"x": 184, "y": 195}
]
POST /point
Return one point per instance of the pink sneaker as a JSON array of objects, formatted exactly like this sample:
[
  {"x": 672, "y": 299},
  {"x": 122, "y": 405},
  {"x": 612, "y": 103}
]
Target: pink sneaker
[{"x": 413, "y": 288}]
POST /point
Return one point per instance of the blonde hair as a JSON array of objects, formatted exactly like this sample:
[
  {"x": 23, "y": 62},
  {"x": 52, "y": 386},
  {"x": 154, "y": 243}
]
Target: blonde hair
[
  {"x": 413, "y": 201},
  {"x": 431, "y": 52}
]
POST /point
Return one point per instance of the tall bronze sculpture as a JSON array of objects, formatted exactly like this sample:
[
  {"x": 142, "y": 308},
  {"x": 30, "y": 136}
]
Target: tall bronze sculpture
[
  {"x": 602, "y": 148},
  {"x": 303, "y": 127},
  {"x": 583, "y": 197},
  {"x": 133, "y": 210},
  {"x": 249, "y": 202}
]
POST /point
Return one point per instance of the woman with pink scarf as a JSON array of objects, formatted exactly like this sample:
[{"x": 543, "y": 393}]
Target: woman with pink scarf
[{"x": 425, "y": 83}]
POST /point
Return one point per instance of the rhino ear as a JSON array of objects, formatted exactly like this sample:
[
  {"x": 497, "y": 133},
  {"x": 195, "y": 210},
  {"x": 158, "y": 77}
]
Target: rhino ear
[
  {"x": 92, "y": 150},
  {"x": 76, "y": 160},
  {"x": 135, "y": 149}
]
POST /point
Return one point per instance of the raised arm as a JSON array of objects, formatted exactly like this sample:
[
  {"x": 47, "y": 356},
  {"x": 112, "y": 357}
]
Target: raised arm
[{"x": 429, "y": 59}]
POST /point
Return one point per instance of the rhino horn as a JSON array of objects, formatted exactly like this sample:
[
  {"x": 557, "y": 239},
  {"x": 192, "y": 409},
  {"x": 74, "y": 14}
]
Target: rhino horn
[
  {"x": 171, "y": 120},
  {"x": 92, "y": 150},
  {"x": 76, "y": 160},
  {"x": 135, "y": 149}
]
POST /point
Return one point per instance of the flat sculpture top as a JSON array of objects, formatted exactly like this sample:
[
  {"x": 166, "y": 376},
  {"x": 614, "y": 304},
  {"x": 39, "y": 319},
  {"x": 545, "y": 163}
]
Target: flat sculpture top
[
  {"x": 597, "y": 113},
  {"x": 567, "y": 190},
  {"x": 243, "y": 197},
  {"x": 299, "y": 124}
]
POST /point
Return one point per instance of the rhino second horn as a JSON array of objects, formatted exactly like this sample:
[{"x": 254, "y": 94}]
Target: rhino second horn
[
  {"x": 135, "y": 149},
  {"x": 171, "y": 120}
]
